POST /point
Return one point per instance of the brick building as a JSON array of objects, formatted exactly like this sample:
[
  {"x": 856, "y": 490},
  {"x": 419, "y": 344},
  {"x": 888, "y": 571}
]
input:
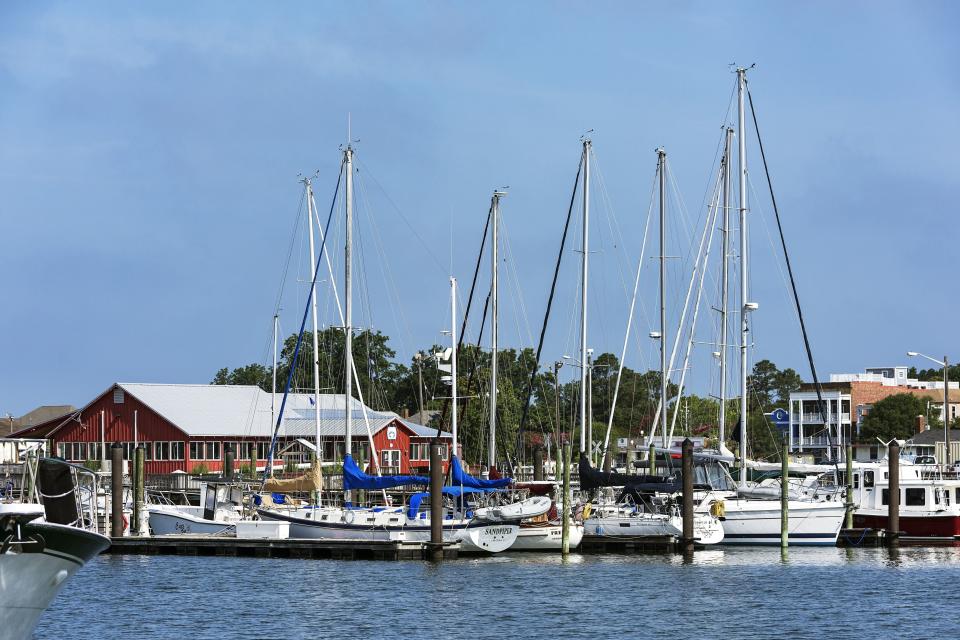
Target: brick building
[
  {"x": 848, "y": 398},
  {"x": 186, "y": 427}
]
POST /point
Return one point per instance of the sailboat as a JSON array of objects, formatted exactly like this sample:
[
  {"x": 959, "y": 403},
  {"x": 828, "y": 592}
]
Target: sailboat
[
  {"x": 646, "y": 505},
  {"x": 749, "y": 516},
  {"x": 477, "y": 528}
]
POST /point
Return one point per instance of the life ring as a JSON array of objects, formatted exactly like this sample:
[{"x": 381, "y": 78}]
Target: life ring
[
  {"x": 126, "y": 523},
  {"x": 348, "y": 516}
]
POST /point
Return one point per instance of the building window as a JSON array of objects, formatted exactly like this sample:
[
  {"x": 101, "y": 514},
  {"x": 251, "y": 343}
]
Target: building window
[
  {"x": 117, "y": 395},
  {"x": 419, "y": 451},
  {"x": 856, "y": 481},
  {"x": 263, "y": 450},
  {"x": 212, "y": 450},
  {"x": 916, "y": 497},
  {"x": 161, "y": 450},
  {"x": 176, "y": 450},
  {"x": 885, "y": 497},
  {"x": 868, "y": 480},
  {"x": 196, "y": 451}
]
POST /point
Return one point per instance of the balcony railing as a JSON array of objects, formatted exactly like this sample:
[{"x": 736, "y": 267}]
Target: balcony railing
[
  {"x": 815, "y": 418},
  {"x": 816, "y": 441}
]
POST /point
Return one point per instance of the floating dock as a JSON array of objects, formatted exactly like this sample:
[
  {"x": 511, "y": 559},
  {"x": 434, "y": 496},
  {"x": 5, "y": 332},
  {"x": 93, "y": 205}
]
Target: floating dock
[{"x": 276, "y": 548}]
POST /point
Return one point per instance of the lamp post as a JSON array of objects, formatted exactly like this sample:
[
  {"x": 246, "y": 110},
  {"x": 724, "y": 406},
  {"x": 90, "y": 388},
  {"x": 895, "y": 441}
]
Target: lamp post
[{"x": 946, "y": 400}]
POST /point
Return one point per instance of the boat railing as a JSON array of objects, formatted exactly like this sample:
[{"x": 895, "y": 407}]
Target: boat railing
[{"x": 84, "y": 489}]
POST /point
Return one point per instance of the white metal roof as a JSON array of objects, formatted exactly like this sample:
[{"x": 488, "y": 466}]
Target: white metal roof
[{"x": 244, "y": 411}]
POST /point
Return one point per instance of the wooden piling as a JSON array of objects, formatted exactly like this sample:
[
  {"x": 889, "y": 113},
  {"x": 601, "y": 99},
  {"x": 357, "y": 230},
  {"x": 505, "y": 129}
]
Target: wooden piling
[
  {"x": 116, "y": 488},
  {"x": 228, "y": 457},
  {"x": 567, "y": 499},
  {"x": 139, "y": 483},
  {"x": 893, "y": 495},
  {"x": 849, "y": 501},
  {"x": 436, "y": 500},
  {"x": 687, "y": 463},
  {"x": 653, "y": 460},
  {"x": 538, "y": 464},
  {"x": 785, "y": 496}
]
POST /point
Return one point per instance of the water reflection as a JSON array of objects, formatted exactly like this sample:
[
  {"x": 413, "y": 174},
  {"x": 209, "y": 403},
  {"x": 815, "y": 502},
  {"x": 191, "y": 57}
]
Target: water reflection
[{"x": 137, "y": 594}]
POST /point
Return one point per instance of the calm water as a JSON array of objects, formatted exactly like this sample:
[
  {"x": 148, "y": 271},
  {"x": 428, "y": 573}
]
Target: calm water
[{"x": 813, "y": 593}]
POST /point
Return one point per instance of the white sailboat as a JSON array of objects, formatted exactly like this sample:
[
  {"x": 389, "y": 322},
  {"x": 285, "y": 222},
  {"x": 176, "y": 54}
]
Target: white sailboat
[
  {"x": 478, "y": 529},
  {"x": 629, "y": 517},
  {"x": 749, "y": 519}
]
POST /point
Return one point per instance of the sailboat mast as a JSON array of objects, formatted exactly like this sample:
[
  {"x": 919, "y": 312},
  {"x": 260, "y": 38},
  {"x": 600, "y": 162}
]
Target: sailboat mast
[
  {"x": 741, "y": 134},
  {"x": 348, "y": 308},
  {"x": 494, "y": 327},
  {"x": 273, "y": 387},
  {"x": 724, "y": 286},
  {"x": 584, "y": 272},
  {"x": 453, "y": 362},
  {"x": 316, "y": 348},
  {"x": 662, "y": 171}
]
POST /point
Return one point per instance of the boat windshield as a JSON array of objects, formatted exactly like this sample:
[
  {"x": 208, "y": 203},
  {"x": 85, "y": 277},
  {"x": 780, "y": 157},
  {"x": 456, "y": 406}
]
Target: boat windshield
[{"x": 713, "y": 473}]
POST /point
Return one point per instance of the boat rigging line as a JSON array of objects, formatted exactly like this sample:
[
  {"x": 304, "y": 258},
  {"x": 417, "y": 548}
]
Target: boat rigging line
[
  {"x": 793, "y": 284},
  {"x": 546, "y": 316}
]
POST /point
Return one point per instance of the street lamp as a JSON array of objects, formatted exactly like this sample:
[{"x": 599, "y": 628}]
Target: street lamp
[{"x": 946, "y": 399}]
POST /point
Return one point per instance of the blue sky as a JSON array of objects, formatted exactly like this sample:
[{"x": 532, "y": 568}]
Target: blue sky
[{"x": 149, "y": 157}]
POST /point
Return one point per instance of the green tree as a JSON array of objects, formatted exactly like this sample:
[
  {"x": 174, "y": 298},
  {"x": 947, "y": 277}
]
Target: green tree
[
  {"x": 252, "y": 374},
  {"x": 892, "y": 417}
]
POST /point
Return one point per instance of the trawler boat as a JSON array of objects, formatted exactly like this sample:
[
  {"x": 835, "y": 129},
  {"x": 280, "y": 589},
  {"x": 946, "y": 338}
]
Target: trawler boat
[
  {"x": 43, "y": 546},
  {"x": 929, "y": 499}
]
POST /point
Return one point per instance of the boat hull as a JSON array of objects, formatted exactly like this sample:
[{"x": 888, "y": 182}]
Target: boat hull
[
  {"x": 706, "y": 529},
  {"x": 475, "y": 536},
  {"x": 546, "y": 537},
  {"x": 926, "y": 526},
  {"x": 168, "y": 522},
  {"x": 29, "y": 581},
  {"x": 757, "y": 522}
]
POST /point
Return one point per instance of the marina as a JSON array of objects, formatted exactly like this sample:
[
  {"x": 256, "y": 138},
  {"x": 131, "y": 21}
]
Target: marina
[{"x": 433, "y": 320}]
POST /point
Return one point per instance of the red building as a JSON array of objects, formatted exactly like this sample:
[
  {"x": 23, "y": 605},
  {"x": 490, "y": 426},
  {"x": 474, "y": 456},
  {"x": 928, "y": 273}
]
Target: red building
[{"x": 187, "y": 427}]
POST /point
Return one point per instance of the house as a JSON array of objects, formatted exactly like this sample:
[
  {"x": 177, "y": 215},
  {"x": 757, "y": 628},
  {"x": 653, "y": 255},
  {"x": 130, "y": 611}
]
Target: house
[{"x": 187, "y": 427}]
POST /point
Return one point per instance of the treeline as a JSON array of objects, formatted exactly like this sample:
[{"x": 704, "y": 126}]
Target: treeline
[{"x": 390, "y": 385}]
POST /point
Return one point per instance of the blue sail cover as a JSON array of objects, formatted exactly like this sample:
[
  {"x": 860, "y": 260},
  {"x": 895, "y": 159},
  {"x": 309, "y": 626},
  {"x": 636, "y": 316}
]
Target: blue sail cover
[
  {"x": 461, "y": 477},
  {"x": 354, "y": 478},
  {"x": 417, "y": 499}
]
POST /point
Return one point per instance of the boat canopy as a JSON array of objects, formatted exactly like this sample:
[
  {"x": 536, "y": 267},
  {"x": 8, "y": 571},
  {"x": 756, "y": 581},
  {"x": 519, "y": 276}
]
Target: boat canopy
[
  {"x": 417, "y": 499},
  {"x": 591, "y": 478},
  {"x": 354, "y": 478},
  {"x": 459, "y": 477}
]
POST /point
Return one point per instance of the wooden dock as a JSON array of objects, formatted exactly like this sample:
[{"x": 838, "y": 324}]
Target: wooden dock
[
  {"x": 280, "y": 548},
  {"x": 632, "y": 544}
]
